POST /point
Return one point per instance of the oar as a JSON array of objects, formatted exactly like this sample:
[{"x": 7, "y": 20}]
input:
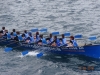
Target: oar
[
  {"x": 92, "y": 38},
  {"x": 78, "y": 36},
  {"x": 67, "y": 34},
  {"x": 8, "y": 49},
  {"x": 3, "y": 40},
  {"x": 25, "y": 52},
  {"x": 41, "y": 30},
  {"x": 44, "y": 51},
  {"x": 55, "y": 33},
  {"x": 34, "y": 30},
  {"x": 40, "y": 54},
  {"x": 12, "y": 43}
]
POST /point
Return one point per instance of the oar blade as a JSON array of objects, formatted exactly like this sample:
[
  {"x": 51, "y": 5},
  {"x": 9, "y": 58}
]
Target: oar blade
[
  {"x": 25, "y": 52},
  {"x": 39, "y": 54},
  {"x": 78, "y": 36},
  {"x": 43, "y": 30},
  {"x": 92, "y": 38},
  {"x": 8, "y": 49},
  {"x": 34, "y": 30},
  {"x": 67, "y": 34},
  {"x": 55, "y": 33}
]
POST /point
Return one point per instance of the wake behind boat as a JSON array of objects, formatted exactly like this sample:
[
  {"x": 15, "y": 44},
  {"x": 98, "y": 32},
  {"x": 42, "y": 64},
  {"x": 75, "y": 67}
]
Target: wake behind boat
[{"x": 87, "y": 50}]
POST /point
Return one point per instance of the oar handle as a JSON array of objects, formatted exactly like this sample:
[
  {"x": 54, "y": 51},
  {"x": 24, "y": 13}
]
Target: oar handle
[
  {"x": 2, "y": 39},
  {"x": 12, "y": 42}
]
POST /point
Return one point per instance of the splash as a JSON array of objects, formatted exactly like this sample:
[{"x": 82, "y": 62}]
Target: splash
[{"x": 32, "y": 53}]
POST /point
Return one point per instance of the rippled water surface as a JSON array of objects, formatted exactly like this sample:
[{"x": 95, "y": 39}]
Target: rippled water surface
[{"x": 74, "y": 16}]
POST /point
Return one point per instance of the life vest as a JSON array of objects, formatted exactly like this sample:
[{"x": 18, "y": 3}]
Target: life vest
[
  {"x": 26, "y": 35},
  {"x": 23, "y": 38},
  {"x": 14, "y": 34},
  {"x": 44, "y": 41},
  {"x": 64, "y": 40},
  {"x": 19, "y": 37},
  {"x": 31, "y": 39},
  {"x": 51, "y": 39},
  {"x": 74, "y": 43},
  {"x": 57, "y": 42},
  {"x": 37, "y": 38},
  {"x": 8, "y": 35}
]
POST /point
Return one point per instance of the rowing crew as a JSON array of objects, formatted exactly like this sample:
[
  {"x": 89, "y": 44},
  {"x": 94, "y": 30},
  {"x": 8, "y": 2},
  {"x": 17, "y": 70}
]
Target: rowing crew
[{"x": 27, "y": 37}]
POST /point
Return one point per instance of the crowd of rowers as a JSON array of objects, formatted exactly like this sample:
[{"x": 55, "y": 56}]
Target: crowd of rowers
[{"x": 28, "y": 37}]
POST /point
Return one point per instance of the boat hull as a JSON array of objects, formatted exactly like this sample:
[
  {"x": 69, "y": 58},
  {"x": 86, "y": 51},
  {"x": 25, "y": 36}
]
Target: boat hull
[{"x": 91, "y": 50}]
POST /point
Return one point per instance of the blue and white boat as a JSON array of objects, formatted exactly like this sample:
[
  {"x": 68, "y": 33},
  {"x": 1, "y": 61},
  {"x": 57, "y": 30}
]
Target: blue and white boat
[{"x": 88, "y": 50}]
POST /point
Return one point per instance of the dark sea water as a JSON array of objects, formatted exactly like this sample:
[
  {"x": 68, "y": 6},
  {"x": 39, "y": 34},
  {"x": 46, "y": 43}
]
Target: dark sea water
[{"x": 74, "y": 16}]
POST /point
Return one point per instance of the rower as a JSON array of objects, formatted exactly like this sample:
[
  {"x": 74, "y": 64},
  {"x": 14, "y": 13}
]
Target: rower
[
  {"x": 63, "y": 39},
  {"x": 5, "y": 35},
  {"x": 3, "y": 30},
  {"x": 14, "y": 32},
  {"x": 28, "y": 40},
  {"x": 73, "y": 41},
  {"x": 23, "y": 37},
  {"x": 26, "y": 33},
  {"x": 37, "y": 36},
  {"x": 55, "y": 40},
  {"x": 43, "y": 39},
  {"x": 69, "y": 43},
  {"x": 51, "y": 38},
  {"x": 54, "y": 44},
  {"x": 8, "y": 34},
  {"x": 35, "y": 40},
  {"x": 18, "y": 37},
  {"x": 31, "y": 38},
  {"x": 60, "y": 42},
  {"x": 40, "y": 42},
  {"x": 48, "y": 41}
]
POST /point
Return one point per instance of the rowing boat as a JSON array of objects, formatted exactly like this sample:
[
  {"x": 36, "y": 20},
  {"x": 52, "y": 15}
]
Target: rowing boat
[{"x": 88, "y": 50}]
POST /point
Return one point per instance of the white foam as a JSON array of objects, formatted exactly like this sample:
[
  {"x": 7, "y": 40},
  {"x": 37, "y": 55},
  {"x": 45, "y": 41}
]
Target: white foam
[{"x": 33, "y": 53}]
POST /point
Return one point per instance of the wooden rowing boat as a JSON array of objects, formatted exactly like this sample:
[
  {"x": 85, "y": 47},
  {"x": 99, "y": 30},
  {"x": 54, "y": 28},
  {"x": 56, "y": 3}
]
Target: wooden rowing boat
[{"x": 89, "y": 50}]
